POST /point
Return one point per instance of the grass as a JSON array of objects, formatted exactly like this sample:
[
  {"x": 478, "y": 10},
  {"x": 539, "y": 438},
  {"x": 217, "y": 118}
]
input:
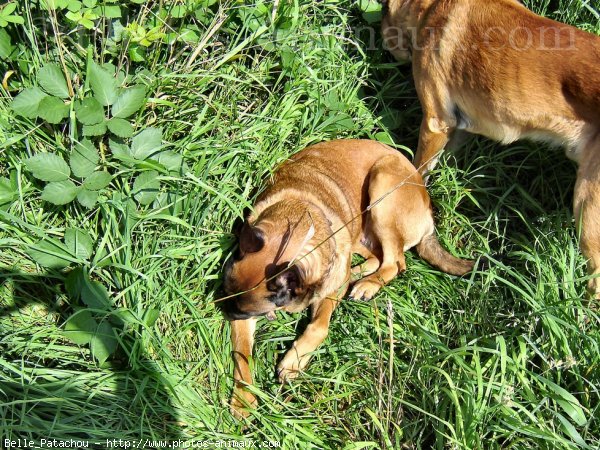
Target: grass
[{"x": 506, "y": 357}]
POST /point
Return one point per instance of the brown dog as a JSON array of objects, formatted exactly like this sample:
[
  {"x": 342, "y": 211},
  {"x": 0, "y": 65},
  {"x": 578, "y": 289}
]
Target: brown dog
[
  {"x": 295, "y": 248},
  {"x": 495, "y": 68}
]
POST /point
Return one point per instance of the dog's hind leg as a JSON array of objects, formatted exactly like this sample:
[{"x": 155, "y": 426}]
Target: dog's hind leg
[
  {"x": 383, "y": 195},
  {"x": 372, "y": 263},
  {"x": 587, "y": 214}
]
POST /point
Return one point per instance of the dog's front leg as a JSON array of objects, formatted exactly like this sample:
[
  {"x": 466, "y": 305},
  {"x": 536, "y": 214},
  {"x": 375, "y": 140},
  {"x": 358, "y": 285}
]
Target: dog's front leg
[
  {"x": 242, "y": 339},
  {"x": 433, "y": 137},
  {"x": 298, "y": 356}
]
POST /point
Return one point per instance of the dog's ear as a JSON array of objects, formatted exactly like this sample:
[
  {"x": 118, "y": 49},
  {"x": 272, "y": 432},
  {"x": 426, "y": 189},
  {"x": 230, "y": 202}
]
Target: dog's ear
[
  {"x": 238, "y": 223},
  {"x": 286, "y": 285},
  {"x": 252, "y": 239}
]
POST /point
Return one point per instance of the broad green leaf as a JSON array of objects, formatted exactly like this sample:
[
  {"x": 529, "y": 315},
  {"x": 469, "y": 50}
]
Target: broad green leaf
[
  {"x": 52, "y": 80},
  {"x": 146, "y": 143},
  {"x": 7, "y": 191},
  {"x": 146, "y": 187},
  {"x": 110, "y": 12},
  {"x": 104, "y": 342},
  {"x": 137, "y": 53},
  {"x": 84, "y": 158},
  {"x": 119, "y": 149},
  {"x": 51, "y": 253},
  {"x": 103, "y": 84},
  {"x": 371, "y": 10},
  {"x": 80, "y": 327},
  {"x": 74, "y": 283},
  {"x": 129, "y": 101},
  {"x": 97, "y": 180},
  {"x": 79, "y": 242},
  {"x": 120, "y": 127},
  {"x": 94, "y": 294},
  {"x": 48, "y": 167},
  {"x": 171, "y": 160},
  {"x": 59, "y": 192},
  {"x": 94, "y": 130},
  {"x": 26, "y": 104},
  {"x": 87, "y": 198},
  {"x": 7, "y": 9},
  {"x": 188, "y": 36},
  {"x": 151, "y": 316},
  {"x": 384, "y": 138},
  {"x": 6, "y": 47},
  {"x": 125, "y": 315},
  {"x": 53, "y": 109},
  {"x": 54, "y": 4},
  {"x": 89, "y": 111},
  {"x": 74, "y": 5}
]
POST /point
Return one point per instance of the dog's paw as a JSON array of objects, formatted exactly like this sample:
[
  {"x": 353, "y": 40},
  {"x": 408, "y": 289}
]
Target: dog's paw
[
  {"x": 290, "y": 366},
  {"x": 241, "y": 403},
  {"x": 365, "y": 289}
]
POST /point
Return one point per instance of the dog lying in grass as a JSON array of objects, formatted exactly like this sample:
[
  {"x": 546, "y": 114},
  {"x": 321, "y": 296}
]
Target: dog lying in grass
[
  {"x": 497, "y": 69},
  {"x": 329, "y": 201}
]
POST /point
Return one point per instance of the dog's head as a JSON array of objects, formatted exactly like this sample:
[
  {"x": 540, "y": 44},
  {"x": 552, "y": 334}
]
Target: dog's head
[
  {"x": 278, "y": 264},
  {"x": 399, "y": 25}
]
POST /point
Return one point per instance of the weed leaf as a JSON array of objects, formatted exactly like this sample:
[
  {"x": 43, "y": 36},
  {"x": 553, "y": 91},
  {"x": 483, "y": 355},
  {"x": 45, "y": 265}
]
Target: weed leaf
[
  {"x": 120, "y": 127},
  {"x": 53, "y": 110},
  {"x": 7, "y": 191},
  {"x": 103, "y": 84},
  {"x": 48, "y": 167},
  {"x": 79, "y": 242},
  {"x": 74, "y": 283},
  {"x": 26, "y": 104},
  {"x": 59, "y": 192},
  {"x": 89, "y": 111},
  {"x": 146, "y": 143},
  {"x": 104, "y": 342},
  {"x": 171, "y": 160},
  {"x": 97, "y": 180},
  {"x": 145, "y": 187},
  {"x": 84, "y": 158},
  {"x": 52, "y": 80},
  {"x": 87, "y": 198},
  {"x": 80, "y": 327},
  {"x": 51, "y": 253},
  {"x": 94, "y": 130},
  {"x": 130, "y": 101},
  {"x": 94, "y": 295},
  {"x": 6, "y": 47}
]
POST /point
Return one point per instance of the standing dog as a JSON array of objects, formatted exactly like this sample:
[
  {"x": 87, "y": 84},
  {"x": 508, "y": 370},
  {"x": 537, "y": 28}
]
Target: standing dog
[
  {"x": 295, "y": 248},
  {"x": 497, "y": 69}
]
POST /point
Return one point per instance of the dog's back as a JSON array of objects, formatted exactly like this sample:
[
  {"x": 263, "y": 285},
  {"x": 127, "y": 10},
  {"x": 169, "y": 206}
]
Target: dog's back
[{"x": 510, "y": 74}]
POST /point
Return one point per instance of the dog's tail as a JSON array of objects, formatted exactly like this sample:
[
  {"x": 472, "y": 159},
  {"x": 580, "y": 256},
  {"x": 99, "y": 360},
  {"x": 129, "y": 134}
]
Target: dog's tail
[{"x": 431, "y": 251}]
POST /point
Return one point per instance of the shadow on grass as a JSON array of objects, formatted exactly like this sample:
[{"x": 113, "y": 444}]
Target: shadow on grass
[{"x": 52, "y": 388}]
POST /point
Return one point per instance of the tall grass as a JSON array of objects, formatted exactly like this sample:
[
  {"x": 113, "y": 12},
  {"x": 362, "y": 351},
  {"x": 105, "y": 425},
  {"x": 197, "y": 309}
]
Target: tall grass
[{"x": 506, "y": 357}]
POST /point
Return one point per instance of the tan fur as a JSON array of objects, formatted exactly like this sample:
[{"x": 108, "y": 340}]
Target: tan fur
[
  {"x": 497, "y": 69},
  {"x": 310, "y": 214}
]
